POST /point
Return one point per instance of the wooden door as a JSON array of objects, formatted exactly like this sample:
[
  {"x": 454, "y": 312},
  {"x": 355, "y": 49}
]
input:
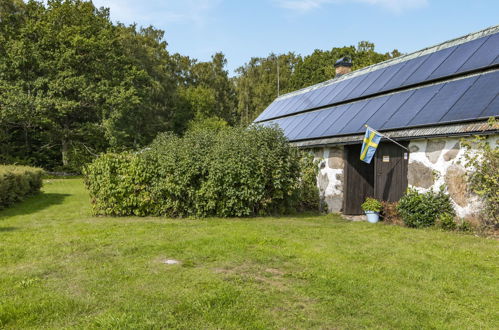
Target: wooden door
[
  {"x": 391, "y": 163},
  {"x": 359, "y": 181}
]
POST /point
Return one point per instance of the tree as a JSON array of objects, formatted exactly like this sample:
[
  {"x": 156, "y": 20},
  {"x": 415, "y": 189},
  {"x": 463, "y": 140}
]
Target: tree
[
  {"x": 146, "y": 52},
  {"x": 205, "y": 90},
  {"x": 257, "y": 83},
  {"x": 213, "y": 76},
  {"x": 74, "y": 81}
]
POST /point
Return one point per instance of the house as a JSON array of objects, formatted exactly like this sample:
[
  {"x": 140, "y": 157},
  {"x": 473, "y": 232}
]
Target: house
[{"x": 427, "y": 101}]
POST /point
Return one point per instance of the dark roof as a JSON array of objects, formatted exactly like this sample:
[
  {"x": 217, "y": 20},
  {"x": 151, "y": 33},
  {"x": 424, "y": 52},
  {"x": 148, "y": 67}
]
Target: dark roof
[
  {"x": 456, "y": 81},
  {"x": 344, "y": 61}
]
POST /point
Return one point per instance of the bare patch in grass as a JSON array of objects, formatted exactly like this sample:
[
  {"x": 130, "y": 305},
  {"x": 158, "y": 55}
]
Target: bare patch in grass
[{"x": 270, "y": 277}]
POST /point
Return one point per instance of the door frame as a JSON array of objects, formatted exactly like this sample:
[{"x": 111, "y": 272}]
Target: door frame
[{"x": 376, "y": 159}]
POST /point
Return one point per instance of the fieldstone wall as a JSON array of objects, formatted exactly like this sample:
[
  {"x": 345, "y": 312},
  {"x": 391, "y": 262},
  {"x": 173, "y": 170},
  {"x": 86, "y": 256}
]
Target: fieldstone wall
[
  {"x": 330, "y": 179},
  {"x": 437, "y": 162},
  {"x": 432, "y": 163}
]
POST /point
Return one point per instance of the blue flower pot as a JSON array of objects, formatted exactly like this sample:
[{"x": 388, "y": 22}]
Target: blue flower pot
[{"x": 372, "y": 216}]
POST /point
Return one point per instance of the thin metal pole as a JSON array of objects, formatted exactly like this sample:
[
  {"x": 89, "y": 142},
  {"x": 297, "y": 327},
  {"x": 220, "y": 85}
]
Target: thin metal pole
[
  {"x": 278, "y": 82},
  {"x": 386, "y": 137}
]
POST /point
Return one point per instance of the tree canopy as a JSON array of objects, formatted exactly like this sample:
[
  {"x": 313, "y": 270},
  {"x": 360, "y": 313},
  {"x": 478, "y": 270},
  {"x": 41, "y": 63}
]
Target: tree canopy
[{"x": 74, "y": 84}]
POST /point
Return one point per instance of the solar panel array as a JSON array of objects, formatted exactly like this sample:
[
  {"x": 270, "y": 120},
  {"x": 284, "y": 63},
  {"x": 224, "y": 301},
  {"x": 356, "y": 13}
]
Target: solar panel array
[
  {"x": 476, "y": 54},
  {"x": 470, "y": 98}
]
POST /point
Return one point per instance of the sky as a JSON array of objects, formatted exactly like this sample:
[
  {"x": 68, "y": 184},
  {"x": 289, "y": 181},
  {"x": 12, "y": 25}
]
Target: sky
[{"x": 242, "y": 29}]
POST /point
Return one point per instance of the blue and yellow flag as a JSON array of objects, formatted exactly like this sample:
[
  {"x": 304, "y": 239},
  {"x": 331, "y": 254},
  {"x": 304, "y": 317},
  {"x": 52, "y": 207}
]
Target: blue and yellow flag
[{"x": 371, "y": 141}]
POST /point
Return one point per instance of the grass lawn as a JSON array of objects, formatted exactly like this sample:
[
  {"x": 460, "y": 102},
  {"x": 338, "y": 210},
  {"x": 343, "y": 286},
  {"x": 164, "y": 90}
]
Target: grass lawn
[{"x": 61, "y": 267}]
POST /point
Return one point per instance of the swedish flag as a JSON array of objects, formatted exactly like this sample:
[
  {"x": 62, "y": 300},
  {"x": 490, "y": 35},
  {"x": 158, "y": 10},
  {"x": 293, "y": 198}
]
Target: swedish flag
[{"x": 371, "y": 141}]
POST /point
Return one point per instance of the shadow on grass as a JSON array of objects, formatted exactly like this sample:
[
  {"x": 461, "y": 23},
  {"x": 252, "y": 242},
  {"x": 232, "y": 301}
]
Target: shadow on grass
[
  {"x": 33, "y": 204},
  {"x": 7, "y": 229}
]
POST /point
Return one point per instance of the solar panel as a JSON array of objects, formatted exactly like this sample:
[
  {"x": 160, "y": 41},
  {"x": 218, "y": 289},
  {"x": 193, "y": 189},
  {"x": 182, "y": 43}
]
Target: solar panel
[
  {"x": 357, "y": 122},
  {"x": 272, "y": 109},
  {"x": 334, "y": 90},
  {"x": 496, "y": 61},
  {"x": 265, "y": 113},
  {"x": 484, "y": 55},
  {"x": 476, "y": 99},
  {"x": 285, "y": 122},
  {"x": 469, "y": 98},
  {"x": 290, "y": 106},
  {"x": 447, "y": 96},
  {"x": 271, "y": 123},
  {"x": 470, "y": 55},
  {"x": 336, "y": 127},
  {"x": 394, "y": 102},
  {"x": 343, "y": 94},
  {"x": 307, "y": 119},
  {"x": 430, "y": 65},
  {"x": 319, "y": 96},
  {"x": 492, "y": 110},
  {"x": 312, "y": 96},
  {"x": 304, "y": 103},
  {"x": 384, "y": 78},
  {"x": 404, "y": 73},
  {"x": 334, "y": 114},
  {"x": 295, "y": 121},
  {"x": 455, "y": 60},
  {"x": 416, "y": 102},
  {"x": 286, "y": 104},
  {"x": 322, "y": 115},
  {"x": 365, "y": 83}
]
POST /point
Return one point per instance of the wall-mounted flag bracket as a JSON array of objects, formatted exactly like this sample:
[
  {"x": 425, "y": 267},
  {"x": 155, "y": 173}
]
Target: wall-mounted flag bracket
[{"x": 371, "y": 142}]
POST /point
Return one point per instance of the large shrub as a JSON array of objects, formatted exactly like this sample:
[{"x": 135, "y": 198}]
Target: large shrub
[
  {"x": 182, "y": 167},
  {"x": 226, "y": 172},
  {"x": 120, "y": 184},
  {"x": 18, "y": 182},
  {"x": 250, "y": 172},
  {"x": 422, "y": 209}
]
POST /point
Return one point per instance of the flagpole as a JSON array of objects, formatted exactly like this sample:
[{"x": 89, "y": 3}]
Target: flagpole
[{"x": 386, "y": 137}]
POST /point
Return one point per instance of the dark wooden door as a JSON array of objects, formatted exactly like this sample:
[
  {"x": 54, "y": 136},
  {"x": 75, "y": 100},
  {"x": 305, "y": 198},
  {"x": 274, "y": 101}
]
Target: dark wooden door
[
  {"x": 359, "y": 181},
  {"x": 390, "y": 181}
]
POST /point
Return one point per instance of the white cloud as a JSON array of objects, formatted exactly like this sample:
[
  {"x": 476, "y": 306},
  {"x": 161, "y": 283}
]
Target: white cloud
[
  {"x": 392, "y": 5},
  {"x": 301, "y": 5},
  {"x": 160, "y": 12},
  {"x": 398, "y": 5}
]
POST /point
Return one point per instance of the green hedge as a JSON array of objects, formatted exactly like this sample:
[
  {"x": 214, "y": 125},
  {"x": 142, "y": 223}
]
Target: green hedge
[
  {"x": 230, "y": 172},
  {"x": 17, "y": 182}
]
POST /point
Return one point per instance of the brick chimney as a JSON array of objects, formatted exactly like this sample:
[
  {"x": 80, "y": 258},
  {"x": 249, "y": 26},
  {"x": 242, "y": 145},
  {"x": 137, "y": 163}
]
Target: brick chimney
[{"x": 343, "y": 66}]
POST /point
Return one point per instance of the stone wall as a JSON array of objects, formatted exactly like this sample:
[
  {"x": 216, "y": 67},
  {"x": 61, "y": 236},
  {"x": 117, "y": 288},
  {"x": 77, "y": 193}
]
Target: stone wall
[
  {"x": 439, "y": 162},
  {"x": 432, "y": 163},
  {"x": 330, "y": 180}
]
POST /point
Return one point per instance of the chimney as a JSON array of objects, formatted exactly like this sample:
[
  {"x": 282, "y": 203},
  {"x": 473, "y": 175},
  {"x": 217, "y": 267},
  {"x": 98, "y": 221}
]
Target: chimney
[{"x": 343, "y": 66}]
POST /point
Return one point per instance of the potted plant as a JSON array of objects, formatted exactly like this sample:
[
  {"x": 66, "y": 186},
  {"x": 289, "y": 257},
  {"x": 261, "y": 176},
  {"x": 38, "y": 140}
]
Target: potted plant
[{"x": 371, "y": 208}]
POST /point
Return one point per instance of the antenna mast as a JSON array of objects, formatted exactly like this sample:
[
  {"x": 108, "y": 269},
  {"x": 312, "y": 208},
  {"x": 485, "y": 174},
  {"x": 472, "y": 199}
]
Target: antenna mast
[{"x": 278, "y": 82}]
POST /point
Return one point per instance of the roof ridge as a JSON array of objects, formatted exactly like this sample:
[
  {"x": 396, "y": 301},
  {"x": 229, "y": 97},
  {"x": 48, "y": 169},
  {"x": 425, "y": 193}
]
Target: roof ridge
[{"x": 428, "y": 50}]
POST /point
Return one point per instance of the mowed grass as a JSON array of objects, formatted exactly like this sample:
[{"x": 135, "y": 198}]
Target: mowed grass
[{"x": 62, "y": 268}]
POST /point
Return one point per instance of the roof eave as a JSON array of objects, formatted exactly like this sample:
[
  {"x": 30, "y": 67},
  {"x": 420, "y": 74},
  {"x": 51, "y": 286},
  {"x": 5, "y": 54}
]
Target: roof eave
[{"x": 452, "y": 130}]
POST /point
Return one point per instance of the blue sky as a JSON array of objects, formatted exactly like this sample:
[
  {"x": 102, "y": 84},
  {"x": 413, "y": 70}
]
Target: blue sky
[{"x": 243, "y": 29}]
